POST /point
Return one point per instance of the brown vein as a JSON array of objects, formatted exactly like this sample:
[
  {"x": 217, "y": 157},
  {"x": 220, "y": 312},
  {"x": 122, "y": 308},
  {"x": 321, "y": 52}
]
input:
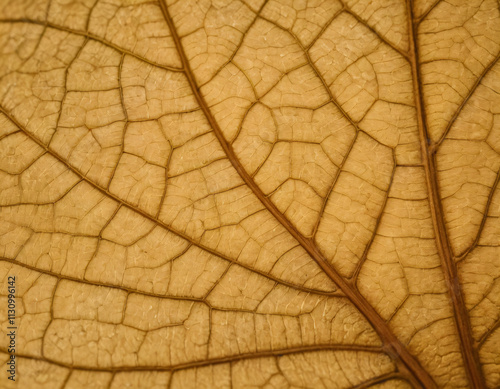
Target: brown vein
[
  {"x": 157, "y": 221},
  {"x": 392, "y": 345},
  {"x": 483, "y": 220},
  {"x": 95, "y": 283},
  {"x": 362, "y": 260},
  {"x": 490, "y": 332},
  {"x": 387, "y": 42},
  {"x": 377, "y": 380},
  {"x": 143, "y": 293},
  {"x": 471, "y": 358},
  {"x": 213, "y": 361},
  {"x": 465, "y": 101},
  {"x": 426, "y": 13},
  {"x": 91, "y": 37}
]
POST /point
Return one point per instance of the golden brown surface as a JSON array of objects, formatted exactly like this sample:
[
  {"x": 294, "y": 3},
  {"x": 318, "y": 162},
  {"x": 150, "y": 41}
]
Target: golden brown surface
[{"x": 248, "y": 194}]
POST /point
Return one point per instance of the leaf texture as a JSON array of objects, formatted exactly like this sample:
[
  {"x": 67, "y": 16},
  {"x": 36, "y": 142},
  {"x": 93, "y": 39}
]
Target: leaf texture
[{"x": 251, "y": 194}]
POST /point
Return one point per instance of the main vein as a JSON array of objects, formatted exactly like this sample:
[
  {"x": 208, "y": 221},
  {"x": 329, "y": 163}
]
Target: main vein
[
  {"x": 392, "y": 345},
  {"x": 471, "y": 358}
]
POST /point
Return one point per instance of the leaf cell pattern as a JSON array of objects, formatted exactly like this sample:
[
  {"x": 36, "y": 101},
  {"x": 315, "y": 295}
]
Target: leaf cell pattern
[{"x": 251, "y": 193}]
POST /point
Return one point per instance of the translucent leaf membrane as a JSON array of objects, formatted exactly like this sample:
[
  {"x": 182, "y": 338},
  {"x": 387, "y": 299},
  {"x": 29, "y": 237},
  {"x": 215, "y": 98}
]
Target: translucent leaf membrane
[{"x": 251, "y": 194}]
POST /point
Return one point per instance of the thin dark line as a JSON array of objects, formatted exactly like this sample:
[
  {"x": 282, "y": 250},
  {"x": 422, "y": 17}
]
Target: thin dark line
[
  {"x": 159, "y": 222},
  {"x": 392, "y": 345},
  {"x": 465, "y": 101},
  {"x": 91, "y": 37},
  {"x": 471, "y": 359},
  {"x": 182, "y": 366}
]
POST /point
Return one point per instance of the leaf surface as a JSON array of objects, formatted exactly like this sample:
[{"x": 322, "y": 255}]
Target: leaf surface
[{"x": 243, "y": 194}]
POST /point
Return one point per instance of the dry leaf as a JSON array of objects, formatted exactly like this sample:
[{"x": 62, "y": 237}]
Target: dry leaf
[{"x": 249, "y": 194}]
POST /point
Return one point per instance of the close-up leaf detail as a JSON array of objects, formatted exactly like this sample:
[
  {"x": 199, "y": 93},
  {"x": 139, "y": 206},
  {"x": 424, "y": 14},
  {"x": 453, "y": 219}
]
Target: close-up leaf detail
[{"x": 250, "y": 193}]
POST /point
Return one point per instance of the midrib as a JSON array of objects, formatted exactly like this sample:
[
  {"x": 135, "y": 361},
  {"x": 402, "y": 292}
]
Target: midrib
[
  {"x": 391, "y": 343},
  {"x": 469, "y": 353}
]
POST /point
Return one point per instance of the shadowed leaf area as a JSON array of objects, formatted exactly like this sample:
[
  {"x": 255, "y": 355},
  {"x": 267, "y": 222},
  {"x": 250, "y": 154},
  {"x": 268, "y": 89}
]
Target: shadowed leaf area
[{"x": 250, "y": 194}]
